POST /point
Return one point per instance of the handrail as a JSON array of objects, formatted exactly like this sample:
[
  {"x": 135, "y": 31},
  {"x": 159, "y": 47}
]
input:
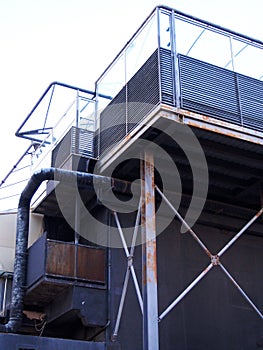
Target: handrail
[
  {"x": 52, "y": 85},
  {"x": 16, "y": 165},
  {"x": 194, "y": 20},
  {"x": 12, "y": 183}
]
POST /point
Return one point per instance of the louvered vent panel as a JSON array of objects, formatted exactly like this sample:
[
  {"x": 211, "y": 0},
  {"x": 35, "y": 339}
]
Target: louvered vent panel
[
  {"x": 82, "y": 142},
  {"x": 209, "y": 89},
  {"x": 251, "y": 98},
  {"x": 77, "y": 141},
  {"x": 166, "y": 70}
]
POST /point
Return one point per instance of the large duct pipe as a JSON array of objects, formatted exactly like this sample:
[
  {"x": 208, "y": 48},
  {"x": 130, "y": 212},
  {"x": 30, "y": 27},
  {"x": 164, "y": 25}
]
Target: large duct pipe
[{"x": 20, "y": 265}]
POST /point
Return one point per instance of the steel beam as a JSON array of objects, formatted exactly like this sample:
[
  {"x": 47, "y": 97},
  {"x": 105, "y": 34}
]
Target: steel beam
[{"x": 149, "y": 264}]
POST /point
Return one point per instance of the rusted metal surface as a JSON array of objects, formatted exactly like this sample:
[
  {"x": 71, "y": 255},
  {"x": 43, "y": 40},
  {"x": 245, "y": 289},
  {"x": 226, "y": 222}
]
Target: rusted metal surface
[
  {"x": 52, "y": 269},
  {"x": 193, "y": 119},
  {"x": 149, "y": 263},
  {"x": 91, "y": 264},
  {"x": 60, "y": 259},
  {"x": 210, "y": 124}
]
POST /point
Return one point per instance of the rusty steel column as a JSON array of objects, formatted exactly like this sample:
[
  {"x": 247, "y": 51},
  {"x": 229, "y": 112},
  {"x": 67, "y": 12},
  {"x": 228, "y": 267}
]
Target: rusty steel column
[{"x": 149, "y": 263}]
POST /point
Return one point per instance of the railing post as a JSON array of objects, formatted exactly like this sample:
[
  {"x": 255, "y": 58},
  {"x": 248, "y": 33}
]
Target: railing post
[
  {"x": 77, "y": 109},
  {"x": 149, "y": 263}
]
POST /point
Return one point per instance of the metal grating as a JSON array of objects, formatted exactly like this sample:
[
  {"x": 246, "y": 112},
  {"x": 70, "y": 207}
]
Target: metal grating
[
  {"x": 113, "y": 122},
  {"x": 62, "y": 150},
  {"x": 131, "y": 105},
  {"x": 143, "y": 91}
]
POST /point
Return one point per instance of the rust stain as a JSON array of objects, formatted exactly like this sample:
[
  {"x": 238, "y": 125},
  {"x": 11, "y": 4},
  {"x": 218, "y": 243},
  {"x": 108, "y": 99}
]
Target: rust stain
[
  {"x": 214, "y": 124},
  {"x": 151, "y": 262},
  {"x": 149, "y": 198},
  {"x": 259, "y": 213},
  {"x": 128, "y": 137}
]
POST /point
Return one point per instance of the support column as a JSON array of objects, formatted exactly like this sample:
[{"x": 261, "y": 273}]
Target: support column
[{"x": 149, "y": 264}]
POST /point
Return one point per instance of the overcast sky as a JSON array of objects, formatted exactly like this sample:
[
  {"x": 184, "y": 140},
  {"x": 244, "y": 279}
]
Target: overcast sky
[{"x": 72, "y": 41}]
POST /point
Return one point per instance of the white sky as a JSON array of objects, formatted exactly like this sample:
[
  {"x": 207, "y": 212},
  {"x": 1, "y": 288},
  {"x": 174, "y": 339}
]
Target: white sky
[{"x": 72, "y": 41}]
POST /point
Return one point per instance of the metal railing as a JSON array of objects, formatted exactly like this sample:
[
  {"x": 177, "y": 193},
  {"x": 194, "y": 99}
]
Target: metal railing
[
  {"x": 59, "y": 108},
  {"x": 15, "y": 180}
]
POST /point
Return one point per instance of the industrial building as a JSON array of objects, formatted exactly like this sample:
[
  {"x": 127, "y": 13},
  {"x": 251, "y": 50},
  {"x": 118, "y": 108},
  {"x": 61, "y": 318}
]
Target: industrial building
[{"x": 133, "y": 220}]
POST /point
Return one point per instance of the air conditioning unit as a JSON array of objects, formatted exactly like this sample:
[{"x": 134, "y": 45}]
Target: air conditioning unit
[{"x": 74, "y": 151}]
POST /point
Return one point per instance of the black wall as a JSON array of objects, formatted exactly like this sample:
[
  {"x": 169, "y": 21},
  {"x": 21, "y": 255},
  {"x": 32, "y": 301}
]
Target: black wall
[{"x": 214, "y": 315}]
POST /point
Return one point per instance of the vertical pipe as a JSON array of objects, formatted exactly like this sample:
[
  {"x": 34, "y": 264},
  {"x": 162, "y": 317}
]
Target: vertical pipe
[{"x": 149, "y": 266}]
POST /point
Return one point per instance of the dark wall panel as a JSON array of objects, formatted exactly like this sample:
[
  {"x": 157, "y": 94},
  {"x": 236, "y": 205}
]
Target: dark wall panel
[
  {"x": 22, "y": 342},
  {"x": 214, "y": 315}
]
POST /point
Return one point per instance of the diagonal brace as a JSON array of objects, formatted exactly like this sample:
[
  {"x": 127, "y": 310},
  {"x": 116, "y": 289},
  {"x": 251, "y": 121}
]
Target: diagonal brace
[
  {"x": 130, "y": 269},
  {"x": 215, "y": 259}
]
